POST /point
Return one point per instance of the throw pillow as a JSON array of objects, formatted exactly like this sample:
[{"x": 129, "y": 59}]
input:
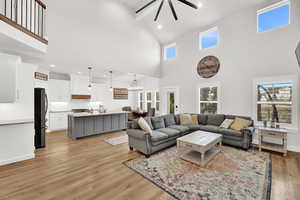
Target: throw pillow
[
  {"x": 202, "y": 119},
  {"x": 177, "y": 119},
  {"x": 144, "y": 125},
  {"x": 239, "y": 123},
  {"x": 169, "y": 120},
  {"x": 195, "y": 120},
  {"x": 148, "y": 120},
  {"x": 186, "y": 119},
  {"x": 158, "y": 122},
  {"x": 226, "y": 123},
  {"x": 215, "y": 120}
]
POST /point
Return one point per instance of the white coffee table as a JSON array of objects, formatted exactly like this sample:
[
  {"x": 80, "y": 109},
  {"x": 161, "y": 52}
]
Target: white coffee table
[{"x": 200, "y": 147}]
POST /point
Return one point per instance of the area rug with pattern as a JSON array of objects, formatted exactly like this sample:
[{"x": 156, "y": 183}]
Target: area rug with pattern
[
  {"x": 117, "y": 140},
  {"x": 232, "y": 175}
]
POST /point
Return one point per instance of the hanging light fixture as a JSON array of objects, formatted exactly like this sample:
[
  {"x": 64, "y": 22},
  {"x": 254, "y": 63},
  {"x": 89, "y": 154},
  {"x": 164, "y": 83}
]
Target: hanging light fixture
[
  {"x": 111, "y": 76},
  {"x": 134, "y": 85},
  {"x": 90, "y": 78}
]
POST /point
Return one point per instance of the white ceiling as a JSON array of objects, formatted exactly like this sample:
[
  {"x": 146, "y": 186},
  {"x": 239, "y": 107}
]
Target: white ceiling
[
  {"x": 102, "y": 34},
  {"x": 107, "y": 35},
  {"x": 188, "y": 18}
]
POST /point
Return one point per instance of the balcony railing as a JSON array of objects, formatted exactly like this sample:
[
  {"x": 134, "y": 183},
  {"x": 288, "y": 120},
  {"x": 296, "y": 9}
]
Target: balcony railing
[{"x": 26, "y": 15}]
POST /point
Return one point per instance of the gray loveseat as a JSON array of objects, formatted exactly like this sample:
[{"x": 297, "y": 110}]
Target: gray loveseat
[{"x": 167, "y": 129}]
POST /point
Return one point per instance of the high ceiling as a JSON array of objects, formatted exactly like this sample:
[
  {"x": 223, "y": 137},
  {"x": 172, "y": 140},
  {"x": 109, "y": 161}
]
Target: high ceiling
[
  {"x": 188, "y": 18},
  {"x": 108, "y": 35},
  {"x": 102, "y": 34}
]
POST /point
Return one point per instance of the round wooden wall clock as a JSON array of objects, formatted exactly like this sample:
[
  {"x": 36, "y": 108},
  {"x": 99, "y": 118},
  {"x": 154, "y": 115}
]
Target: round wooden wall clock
[{"x": 208, "y": 66}]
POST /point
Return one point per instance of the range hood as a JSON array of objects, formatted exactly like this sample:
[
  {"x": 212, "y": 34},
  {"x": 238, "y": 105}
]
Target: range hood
[{"x": 80, "y": 96}]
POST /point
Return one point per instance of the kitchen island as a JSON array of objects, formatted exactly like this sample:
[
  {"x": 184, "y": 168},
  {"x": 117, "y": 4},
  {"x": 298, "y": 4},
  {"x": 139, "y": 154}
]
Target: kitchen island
[{"x": 87, "y": 124}]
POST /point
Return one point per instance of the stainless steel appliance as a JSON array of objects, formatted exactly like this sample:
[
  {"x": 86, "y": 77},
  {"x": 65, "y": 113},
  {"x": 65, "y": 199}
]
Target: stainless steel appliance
[{"x": 40, "y": 112}]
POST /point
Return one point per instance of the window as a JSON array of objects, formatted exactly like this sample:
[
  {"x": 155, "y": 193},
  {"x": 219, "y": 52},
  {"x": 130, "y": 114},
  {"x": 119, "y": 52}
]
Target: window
[
  {"x": 157, "y": 101},
  {"x": 272, "y": 17},
  {"x": 209, "y": 100},
  {"x": 209, "y": 38},
  {"x": 170, "y": 52},
  {"x": 274, "y": 102},
  {"x": 145, "y": 100},
  {"x": 171, "y": 102},
  {"x": 149, "y": 100},
  {"x": 141, "y": 100}
]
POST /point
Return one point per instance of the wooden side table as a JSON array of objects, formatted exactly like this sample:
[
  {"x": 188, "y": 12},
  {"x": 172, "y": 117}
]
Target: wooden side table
[{"x": 273, "y": 133}]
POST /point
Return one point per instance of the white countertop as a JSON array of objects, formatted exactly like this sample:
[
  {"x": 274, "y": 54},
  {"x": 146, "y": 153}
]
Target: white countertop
[
  {"x": 59, "y": 111},
  {"x": 86, "y": 114},
  {"x": 17, "y": 121}
]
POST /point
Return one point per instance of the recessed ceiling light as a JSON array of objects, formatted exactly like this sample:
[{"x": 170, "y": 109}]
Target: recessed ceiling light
[
  {"x": 79, "y": 73},
  {"x": 52, "y": 66},
  {"x": 199, "y": 5},
  {"x": 159, "y": 26}
]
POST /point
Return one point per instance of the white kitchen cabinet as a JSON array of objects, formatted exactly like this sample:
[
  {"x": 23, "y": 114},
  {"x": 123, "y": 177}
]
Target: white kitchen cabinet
[
  {"x": 59, "y": 91},
  {"x": 79, "y": 85},
  {"x": 8, "y": 78},
  {"x": 58, "y": 121}
]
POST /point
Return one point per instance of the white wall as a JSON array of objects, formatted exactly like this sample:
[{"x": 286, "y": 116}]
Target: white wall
[
  {"x": 2, "y": 2},
  {"x": 17, "y": 141},
  {"x": 40, "y": 83},
  {"x": 19, "y": 40},
  {"x": 23, "y": 108},
  {"x": 105, "y": 98},
  {"x": 148, "y": 84},
  {"x": 111, "y": 104},
  {"x": 244, "y": 54}
]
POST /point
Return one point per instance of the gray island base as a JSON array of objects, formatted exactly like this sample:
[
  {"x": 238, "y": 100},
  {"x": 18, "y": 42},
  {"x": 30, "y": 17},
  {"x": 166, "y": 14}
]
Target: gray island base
[{"x": 87, "y": 124}]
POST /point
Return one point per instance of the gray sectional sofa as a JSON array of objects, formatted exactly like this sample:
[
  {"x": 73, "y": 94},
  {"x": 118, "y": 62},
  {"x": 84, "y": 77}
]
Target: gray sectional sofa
[{"x": 167, "y": 129}]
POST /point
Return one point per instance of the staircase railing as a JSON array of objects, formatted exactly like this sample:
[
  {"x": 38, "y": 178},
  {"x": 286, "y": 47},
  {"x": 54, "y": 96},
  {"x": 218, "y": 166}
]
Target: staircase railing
[{"x": 29, "y": 16}]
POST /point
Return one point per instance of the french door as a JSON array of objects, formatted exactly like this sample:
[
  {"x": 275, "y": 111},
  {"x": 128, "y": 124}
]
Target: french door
[{"x": 172, "y": 100}]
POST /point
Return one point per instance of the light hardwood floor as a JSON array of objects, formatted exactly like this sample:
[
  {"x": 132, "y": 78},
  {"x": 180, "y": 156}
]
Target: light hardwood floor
[{"x": 89, "y": 169}]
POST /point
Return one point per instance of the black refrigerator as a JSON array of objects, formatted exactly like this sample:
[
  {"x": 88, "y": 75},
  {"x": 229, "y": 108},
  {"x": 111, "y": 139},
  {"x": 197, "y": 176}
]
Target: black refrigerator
[{"x": 40, "y": 112}]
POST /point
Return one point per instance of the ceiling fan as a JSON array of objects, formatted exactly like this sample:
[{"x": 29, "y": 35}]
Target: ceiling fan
[{"x": 170, "y": 4}]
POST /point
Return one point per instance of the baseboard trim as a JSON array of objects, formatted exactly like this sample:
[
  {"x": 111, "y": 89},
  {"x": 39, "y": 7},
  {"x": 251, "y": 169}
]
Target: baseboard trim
[{"x": 17, "y": 159}]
